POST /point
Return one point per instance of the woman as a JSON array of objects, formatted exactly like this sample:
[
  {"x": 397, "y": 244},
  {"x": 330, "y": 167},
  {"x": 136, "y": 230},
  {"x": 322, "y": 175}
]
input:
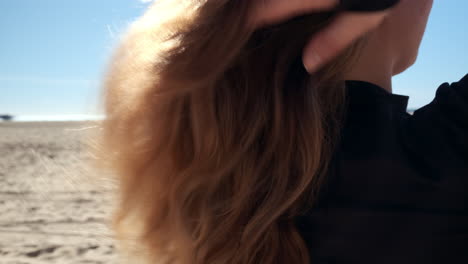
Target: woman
[{"x": 228, "y": 151}]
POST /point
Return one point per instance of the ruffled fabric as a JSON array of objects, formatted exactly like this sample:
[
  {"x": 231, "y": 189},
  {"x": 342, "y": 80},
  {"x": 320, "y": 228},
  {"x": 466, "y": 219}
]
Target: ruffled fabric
[
  {"x": 397, "y": 189},
  {"x": 437, "y": 134}
]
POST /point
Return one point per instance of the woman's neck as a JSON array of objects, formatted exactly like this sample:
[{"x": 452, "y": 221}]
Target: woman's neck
[
  {"x": 375, "y": 63},
  {"x": 377, "y": 76}
]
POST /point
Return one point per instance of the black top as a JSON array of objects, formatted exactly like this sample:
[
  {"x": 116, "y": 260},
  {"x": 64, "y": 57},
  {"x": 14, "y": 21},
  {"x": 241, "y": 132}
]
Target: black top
[{"x": 398, "y": 185}]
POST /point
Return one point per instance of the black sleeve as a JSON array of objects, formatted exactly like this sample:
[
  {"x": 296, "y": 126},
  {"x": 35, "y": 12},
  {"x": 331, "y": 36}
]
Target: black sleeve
[
  {"x": 438, "y": 132},
  {"x": 366, "y": 5}
]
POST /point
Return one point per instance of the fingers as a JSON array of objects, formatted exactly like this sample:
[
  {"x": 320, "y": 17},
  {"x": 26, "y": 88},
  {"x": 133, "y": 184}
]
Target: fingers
[
  {"x": 324, "y": 46},
  {"x": 267, "y": 12},
  {"x": 346, "y": 28}
]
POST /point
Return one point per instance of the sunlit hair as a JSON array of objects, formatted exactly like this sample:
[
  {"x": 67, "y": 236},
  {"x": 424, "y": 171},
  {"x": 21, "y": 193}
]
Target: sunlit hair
[{"x": 217, "y": 135}]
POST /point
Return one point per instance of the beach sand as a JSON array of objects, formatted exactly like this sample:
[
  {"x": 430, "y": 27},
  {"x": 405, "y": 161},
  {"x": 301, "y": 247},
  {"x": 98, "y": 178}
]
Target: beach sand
[{"x": 53, "y": 208}]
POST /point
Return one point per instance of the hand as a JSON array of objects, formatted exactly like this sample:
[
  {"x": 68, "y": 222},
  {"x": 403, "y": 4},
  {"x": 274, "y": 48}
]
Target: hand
[{"x": 324, "y": 46}]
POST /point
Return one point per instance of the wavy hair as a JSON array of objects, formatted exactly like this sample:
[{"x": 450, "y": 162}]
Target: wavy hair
[{"x": 216, "y": 134}]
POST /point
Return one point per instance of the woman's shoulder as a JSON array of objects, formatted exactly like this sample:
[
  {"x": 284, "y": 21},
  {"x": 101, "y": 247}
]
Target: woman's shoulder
[
  {"x": 449, "y": 108},
  {"x": 438, "y": 131},
  {"x": 451, "y": 97},
  {"x": 457, "y": 91}
]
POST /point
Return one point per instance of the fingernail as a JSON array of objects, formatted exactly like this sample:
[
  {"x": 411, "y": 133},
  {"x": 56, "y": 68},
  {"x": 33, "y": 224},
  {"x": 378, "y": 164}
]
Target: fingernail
[{"x": 312, "y": 61}]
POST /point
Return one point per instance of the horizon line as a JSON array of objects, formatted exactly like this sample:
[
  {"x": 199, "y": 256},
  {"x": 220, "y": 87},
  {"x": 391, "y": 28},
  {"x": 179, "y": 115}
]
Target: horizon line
[{"x": 74, "y": 117}]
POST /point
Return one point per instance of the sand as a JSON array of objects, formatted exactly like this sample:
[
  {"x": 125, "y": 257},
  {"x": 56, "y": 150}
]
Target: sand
[{"x": 52, "y": 207}]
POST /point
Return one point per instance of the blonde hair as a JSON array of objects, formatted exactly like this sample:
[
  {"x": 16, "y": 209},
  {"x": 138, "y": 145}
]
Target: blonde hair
[{"x": 217, "y": 135}]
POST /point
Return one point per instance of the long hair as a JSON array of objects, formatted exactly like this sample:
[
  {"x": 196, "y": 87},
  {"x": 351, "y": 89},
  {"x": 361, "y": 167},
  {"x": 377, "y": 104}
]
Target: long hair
[{"x": 216, "y": 134}]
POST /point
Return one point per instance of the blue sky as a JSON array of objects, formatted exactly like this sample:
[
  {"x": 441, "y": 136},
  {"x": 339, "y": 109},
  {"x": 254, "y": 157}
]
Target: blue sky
[{"x": 53, "y": 53}]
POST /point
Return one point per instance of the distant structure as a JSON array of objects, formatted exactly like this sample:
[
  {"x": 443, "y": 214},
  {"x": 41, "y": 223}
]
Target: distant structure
[
  {"x": 6, "y": 117},
  {"x": 411, "y": 111}
]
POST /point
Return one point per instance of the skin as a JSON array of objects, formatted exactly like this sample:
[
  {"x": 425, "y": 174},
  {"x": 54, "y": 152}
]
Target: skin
[
  {"x": 393, "y": 41},
  {"x": 325, "y": 45},
  {"x": 393, "y": 46}
]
